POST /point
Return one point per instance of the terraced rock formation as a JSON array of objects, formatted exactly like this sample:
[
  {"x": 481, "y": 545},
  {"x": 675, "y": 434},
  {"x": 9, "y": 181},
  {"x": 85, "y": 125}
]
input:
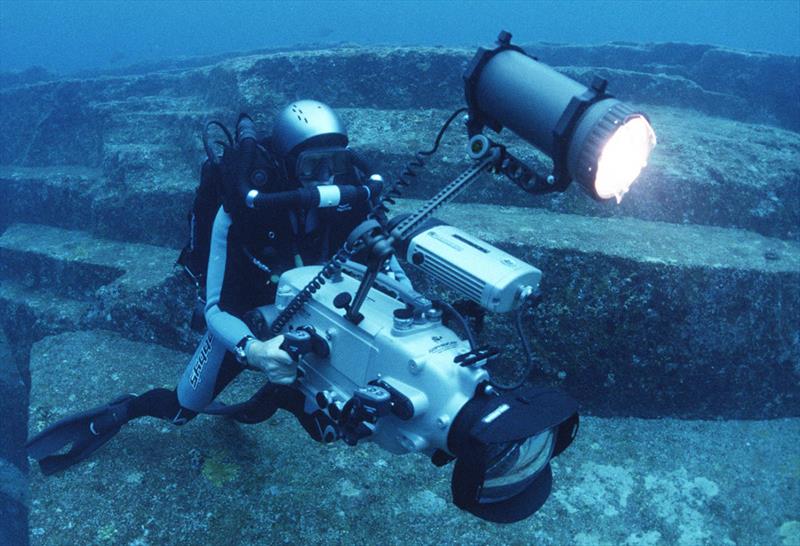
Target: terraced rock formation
[
  {"x": 625, "y": 480},
  {"x": 679, "y": 303}
]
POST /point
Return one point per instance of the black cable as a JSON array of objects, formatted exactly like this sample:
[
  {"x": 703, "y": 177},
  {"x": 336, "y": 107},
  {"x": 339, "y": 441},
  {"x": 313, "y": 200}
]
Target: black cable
[
  {"x": 212, "y": 156},
  {"x": 463, "y": 321},
  {"x": 331, "y": 268},
  {"x": 520, "y": 313},
  {"x": 409, "y": 173},
  {"x": 442, "y": 130}
]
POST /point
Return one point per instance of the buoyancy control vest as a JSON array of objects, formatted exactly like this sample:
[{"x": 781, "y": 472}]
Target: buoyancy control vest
[{"x": 264, "y": 244}]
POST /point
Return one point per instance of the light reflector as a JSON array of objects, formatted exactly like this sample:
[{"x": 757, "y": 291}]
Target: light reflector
[{"x": 623, "y": 157}]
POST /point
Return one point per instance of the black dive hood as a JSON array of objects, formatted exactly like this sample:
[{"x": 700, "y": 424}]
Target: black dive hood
[{"x": 503, "y": 443}]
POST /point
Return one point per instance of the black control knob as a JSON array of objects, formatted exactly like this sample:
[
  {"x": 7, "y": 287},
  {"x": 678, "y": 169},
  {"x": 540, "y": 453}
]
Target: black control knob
[
  {"x": 296, "y": 343},
  {"x": 342, "y": 300},
  {"x": 403, "y": 313}
]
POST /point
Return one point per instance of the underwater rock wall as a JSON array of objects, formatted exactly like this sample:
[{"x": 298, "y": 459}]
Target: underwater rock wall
[
  {"x": 115, "y": 158},
  {"x": 675, "y": 303},
  {"x": 141, "y": 131}
]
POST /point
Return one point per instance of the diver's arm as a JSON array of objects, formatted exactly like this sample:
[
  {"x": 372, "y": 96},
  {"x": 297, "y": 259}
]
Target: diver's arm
[
  {"x": 226, "y": 327},
  {"x": 229, "y": 329}
]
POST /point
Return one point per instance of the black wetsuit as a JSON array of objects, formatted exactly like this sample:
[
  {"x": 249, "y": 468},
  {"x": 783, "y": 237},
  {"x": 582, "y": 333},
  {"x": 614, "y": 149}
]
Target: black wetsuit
[{"x": 248, "y": 253}]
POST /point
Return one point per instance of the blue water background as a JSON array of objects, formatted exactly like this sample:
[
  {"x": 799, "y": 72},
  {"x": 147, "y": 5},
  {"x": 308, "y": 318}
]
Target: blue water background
[{"x": 69, "y": 36}]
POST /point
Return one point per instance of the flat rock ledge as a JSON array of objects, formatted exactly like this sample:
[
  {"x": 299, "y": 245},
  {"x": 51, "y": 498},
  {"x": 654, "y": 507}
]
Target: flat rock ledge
[
  {"x": 73, "y": 276},
  {"x": 624, "y": 481},
  {"x": 649, "y": 319},
  {"x": 705, "y": 170},
  {"x": 639, "y": 318}
]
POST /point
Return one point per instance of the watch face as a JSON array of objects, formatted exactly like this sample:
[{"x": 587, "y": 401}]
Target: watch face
[{"x": 241, "y": 356}]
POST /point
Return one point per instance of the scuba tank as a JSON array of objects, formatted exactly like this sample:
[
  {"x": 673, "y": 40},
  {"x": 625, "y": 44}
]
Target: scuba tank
[{"x": 245, "y": 164}]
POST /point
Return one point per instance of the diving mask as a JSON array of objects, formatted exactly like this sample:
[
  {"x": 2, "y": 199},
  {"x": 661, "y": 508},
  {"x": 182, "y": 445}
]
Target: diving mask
[{"x": 322, "y": 164}]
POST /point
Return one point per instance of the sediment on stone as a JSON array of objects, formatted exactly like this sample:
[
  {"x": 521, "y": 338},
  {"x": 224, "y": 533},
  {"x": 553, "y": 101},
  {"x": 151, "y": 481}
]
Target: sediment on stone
[
  {"x": 127, "y": 287},
  {"x": 648, "y": 319},
  {"x": 680, "y": 482}
]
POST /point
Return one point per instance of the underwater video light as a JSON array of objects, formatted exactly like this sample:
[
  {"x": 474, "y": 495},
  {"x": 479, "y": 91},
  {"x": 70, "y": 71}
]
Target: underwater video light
[{"x": 593, "y": 138}]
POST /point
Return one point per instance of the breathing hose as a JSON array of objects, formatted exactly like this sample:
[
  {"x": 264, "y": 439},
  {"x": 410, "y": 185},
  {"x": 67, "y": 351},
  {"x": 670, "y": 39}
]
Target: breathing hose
[
  {"x": 334, "y": 265},
  {"x": 210, "y": 153}
]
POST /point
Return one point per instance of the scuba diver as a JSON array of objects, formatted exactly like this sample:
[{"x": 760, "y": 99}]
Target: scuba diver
[{"x": 247, "y": 249}]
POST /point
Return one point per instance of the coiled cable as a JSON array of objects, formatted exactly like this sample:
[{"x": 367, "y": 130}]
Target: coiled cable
[
  {"x": 329, "y": 269},
  {"x": 409, "y": 174}
]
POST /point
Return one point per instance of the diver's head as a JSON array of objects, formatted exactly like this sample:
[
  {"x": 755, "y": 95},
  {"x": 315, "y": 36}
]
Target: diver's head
[{"x": 312, "y": 141}]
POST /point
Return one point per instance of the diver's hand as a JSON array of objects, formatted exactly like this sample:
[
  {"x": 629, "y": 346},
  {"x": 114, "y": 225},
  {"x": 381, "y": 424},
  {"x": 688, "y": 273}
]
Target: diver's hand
[{"x": 278, "y": 365}]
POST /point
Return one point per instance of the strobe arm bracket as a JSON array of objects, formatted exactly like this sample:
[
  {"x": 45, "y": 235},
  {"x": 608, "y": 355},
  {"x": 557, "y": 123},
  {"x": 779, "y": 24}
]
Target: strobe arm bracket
[
  {"x": 378, "y": 248},
  {"x": 523, "y": 176},
  {"x": 520, "y": 173},
  {"x": 485, "y": 157}
]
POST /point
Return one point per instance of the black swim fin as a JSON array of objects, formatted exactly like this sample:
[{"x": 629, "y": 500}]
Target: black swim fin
[
  {"x": 86, "y": 432},
  {"x": 260, "y": 407},
  {"x": 271, "y": 397}
]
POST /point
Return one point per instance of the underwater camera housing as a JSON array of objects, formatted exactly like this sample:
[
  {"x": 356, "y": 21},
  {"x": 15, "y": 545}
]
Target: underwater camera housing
[
  {"x": 404, "y": 380},
  {"x": 380, "y": 358}
]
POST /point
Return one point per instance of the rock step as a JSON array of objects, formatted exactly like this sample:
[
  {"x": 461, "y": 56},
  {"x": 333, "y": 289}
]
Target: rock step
[
  {"x": 751, "y": 185},
  {"x": 78, "y": 263},
  {"x": 61, "y": 195},
  {"x": 676, "y": 320},
  {"x": 140, "y": 146},
  {"x": 623, "y": 481},
  {"x": 42, "y": 311},
  {"x": 650, "y": 319},
  {"x": 129, "y": 287},
  {"x": 705, "y": 170},
  {"x": 117, "y": 202}
]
